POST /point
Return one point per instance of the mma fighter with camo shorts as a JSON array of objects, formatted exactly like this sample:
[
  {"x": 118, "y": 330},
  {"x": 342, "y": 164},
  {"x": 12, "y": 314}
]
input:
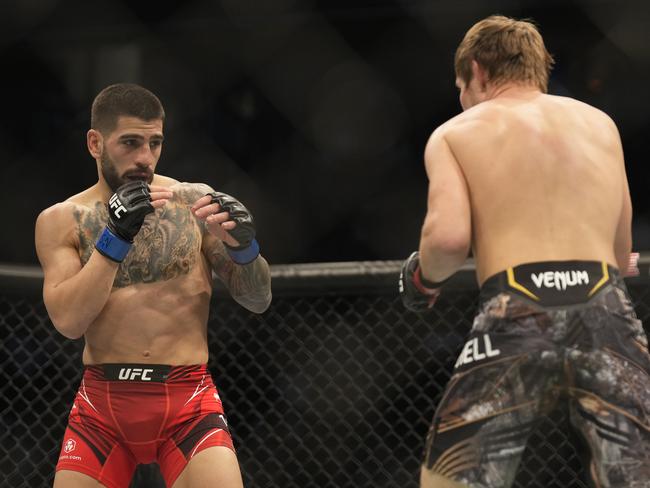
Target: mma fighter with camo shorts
[
  {"x": 128, "y": 265},
  {"x": 535, "y": 184}
]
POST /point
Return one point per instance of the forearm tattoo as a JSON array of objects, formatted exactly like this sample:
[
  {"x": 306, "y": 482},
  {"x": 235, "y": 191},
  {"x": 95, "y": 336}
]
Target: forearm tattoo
[{"x": 249, "y": 284}]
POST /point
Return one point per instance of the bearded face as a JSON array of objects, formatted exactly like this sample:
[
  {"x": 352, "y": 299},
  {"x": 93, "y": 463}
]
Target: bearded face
[
  {"x": 128, "y": 152},
  {"x": 114, "y": 179}
]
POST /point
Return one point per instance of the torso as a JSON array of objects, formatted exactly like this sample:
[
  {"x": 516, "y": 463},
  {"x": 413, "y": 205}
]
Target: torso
[
  {"x": 545, "y": 178},
  {"x": 158, "y": 310}
]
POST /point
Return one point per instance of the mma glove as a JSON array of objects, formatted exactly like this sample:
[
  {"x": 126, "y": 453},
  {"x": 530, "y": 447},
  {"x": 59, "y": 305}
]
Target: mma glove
[
  {"x": 127, "y": 208},
  {"x": 418, "y": 294},
  {"x": 244, "y": 232}
]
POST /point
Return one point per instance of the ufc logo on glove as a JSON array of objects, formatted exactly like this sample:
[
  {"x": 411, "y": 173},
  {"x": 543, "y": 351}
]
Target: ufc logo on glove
[{"x": 115, "y": 203}]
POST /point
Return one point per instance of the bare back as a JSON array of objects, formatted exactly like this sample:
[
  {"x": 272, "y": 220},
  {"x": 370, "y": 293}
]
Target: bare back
[
  {"x": 545, "y": 177},
  {"x": 157, "y": 311}
]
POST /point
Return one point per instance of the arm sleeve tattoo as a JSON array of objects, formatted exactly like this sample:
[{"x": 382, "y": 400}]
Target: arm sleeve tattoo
[{"x": 249, "y": 284}]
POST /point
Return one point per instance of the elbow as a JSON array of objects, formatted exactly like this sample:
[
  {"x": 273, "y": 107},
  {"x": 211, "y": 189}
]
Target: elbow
[
  {"x": 256, "y": 304},
  {"x": 70, "y": 333},
  {"x": 453, "y": 243},
  {"x": 260, "y": 308},
  {"x": 264, "y": 304},
  {"x": 67, "y": 328}
]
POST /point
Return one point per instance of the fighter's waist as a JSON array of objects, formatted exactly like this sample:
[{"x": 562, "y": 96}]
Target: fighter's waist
[
  {"x": 148, "y": 373},
  {"x": 552, "y": 283}
]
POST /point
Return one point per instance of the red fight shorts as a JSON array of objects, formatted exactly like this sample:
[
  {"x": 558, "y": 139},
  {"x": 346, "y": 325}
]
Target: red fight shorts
[{"x": 127, "y": 414}]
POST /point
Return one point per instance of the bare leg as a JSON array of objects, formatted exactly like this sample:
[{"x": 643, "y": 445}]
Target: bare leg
[
  {"x": 73, "y": 479},
  {"x": 215, "y": 467}
]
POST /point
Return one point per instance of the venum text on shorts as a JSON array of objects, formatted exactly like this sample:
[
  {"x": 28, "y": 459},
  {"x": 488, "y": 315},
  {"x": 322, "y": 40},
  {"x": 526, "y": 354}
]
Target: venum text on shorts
[{"x": 560, "y": 280}]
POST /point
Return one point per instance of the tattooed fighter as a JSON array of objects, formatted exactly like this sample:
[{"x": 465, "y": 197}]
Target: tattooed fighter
[
  {"x": 536, "y": 185},
  {"x": 128, "y": 265}
]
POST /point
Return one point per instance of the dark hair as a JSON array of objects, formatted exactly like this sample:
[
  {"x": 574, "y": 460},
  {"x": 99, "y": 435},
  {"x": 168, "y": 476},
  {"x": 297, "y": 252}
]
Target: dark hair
[
  {"x": 509, "y": 49},
  {"x": 124, "y": 99}
]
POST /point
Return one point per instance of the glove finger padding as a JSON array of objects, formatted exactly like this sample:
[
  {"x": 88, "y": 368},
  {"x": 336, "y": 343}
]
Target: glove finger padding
[
  {"x": 244, "y": 231},
  {"x": 127, "y": 208},
  {"x": 134, "y": 191}
]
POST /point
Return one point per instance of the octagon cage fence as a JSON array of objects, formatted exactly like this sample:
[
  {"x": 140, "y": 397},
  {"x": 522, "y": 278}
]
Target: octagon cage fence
[{"x": 334, "y": 386}]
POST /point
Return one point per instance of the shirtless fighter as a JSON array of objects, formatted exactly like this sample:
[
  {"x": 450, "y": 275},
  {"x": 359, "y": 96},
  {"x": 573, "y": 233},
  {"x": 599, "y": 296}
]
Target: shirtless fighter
[
  {"x": 536, "y": 185},
  {"x": 128, "y": 265}
]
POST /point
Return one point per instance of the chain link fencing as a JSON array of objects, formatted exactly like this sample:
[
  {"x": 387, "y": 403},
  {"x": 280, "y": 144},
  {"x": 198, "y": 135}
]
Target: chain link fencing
[{"x": 333, "y": 387}]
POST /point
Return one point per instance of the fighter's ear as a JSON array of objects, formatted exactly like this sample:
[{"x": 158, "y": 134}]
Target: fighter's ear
[
  {"x": 95, "y": 143},
  {"x": 480, "y": 74}
]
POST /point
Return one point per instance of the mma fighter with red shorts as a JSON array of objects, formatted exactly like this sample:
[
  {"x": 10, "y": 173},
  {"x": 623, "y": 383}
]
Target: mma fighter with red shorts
[{"x": 128, "y": 265}]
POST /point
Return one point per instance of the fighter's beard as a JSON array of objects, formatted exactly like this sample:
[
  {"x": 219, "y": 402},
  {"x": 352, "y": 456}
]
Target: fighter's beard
[
  {"x": 113, "y": 180},
  {"x": 109, "y": 173}
]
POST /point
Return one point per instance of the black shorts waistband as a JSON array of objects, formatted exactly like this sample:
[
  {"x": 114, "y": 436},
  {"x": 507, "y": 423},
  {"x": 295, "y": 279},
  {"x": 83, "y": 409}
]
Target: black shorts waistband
[
  {"x": 552, "y": 283},
  {"x": 148, "y": 373}
]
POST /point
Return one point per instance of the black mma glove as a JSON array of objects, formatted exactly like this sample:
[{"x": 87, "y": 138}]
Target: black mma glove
[
  {"x": 127, "y": 208},
  {"x": 418, "y": 294},
  {"x": 243, "y": 233}
]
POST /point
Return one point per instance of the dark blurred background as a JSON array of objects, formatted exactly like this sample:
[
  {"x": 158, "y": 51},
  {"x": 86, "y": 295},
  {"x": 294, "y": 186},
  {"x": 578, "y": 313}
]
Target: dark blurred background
[{"x": 314, "y": 113}]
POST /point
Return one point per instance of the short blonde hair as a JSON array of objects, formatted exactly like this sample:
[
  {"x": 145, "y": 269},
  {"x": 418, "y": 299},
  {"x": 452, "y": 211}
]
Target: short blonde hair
[{"x": 508, "y": 49}]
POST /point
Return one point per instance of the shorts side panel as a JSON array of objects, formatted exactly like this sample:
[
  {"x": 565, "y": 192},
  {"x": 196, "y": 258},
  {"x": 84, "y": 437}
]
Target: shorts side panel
[
  {"x": 80, "y": 455},
  {"x": 610, "y": 390},
  {"x": 495, "y": 397},
  {"x": 199, "y": 423}
]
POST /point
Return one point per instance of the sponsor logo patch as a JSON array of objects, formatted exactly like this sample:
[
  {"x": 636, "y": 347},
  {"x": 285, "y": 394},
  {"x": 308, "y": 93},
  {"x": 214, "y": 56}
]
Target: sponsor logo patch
[{"x": 69, "y": 445}]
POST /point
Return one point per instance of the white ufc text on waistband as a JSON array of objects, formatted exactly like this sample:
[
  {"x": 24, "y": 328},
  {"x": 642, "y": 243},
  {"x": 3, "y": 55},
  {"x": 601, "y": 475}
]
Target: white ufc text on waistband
[{"x": 134, "y": 373}]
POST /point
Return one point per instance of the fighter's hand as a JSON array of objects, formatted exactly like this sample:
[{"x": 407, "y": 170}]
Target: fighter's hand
[
  {"x": 160, "y": 195},
  {"x": 227, "y": 219},
  {"x": 127, "y": 209},
  {"x": 417, "y": 294}
]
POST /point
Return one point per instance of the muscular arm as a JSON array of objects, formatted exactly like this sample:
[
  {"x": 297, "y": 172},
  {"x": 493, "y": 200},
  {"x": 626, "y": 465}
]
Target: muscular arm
[
  {"x": 248, "y": 284},
  {"x": 446, "y": 233},
  {"x": 73, "y": 295}
]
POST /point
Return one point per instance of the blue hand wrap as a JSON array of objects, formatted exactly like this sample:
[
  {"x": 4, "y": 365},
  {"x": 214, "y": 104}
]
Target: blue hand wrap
[
  {"x": 113, "y": 247},
  {"x": 246, "y": 255}
]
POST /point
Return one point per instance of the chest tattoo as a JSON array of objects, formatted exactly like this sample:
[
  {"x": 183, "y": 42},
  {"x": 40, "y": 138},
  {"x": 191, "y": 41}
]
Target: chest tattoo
[{"x": 168, "y": 244}]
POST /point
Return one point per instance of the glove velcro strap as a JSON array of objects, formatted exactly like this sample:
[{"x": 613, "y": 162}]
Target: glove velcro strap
[
  {"x": 246, "y": 255},
  {"x": 425, "y": 286},
  {"x": 113, "y": 247}
]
